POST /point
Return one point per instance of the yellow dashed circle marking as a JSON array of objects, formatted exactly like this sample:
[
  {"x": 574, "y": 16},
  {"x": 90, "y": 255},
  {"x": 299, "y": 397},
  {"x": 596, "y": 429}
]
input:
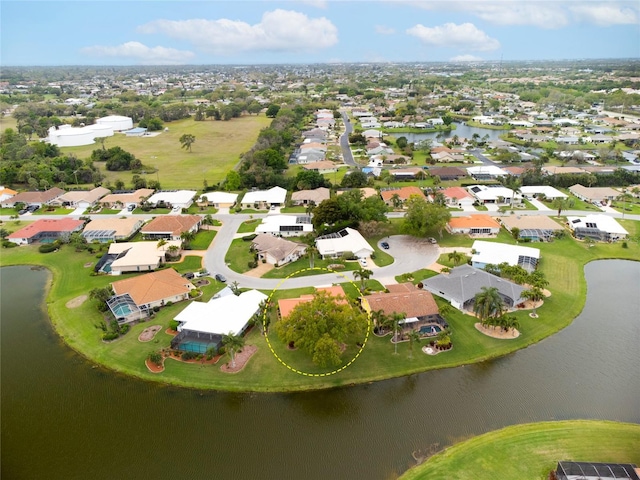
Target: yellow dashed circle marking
[{"x": 293, "y": 369}]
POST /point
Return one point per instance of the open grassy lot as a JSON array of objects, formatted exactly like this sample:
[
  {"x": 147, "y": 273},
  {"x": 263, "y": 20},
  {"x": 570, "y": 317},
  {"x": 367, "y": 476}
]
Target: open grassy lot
[
  {"x": 203, "y": 239},
  {"x": 249, "y": 226},
  {"x": 53, "y": 211},
  {"x": 217, "y": 150},
  {"x": 238, "y": 256},
  {"x": 191, "y": 263},
  {"x": 302, "y": 265},
  {"x": 562, "y": 262},
  {"x": 531, "y": 451}
]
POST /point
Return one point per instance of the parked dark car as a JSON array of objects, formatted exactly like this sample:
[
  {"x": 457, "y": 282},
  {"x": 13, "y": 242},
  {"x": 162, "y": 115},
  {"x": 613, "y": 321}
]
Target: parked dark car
[
  {"x": 385, "y": 245},
  {"x": 32, "y": 208},
  {"x": 189, "y": 275},
  {"x": 220, "y": 277},
  {"x": 22, "y": 212}
]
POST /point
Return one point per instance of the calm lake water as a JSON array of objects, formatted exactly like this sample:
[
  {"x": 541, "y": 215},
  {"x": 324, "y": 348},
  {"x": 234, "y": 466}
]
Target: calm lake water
[
  {"x": 62, "y": 417},
  {"x": 461, "y": 130}
]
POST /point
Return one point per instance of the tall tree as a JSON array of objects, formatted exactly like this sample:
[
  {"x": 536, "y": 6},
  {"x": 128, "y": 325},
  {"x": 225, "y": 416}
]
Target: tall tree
[
  {"x": 456, "y": 257},
  {"x": 534, "y": 294},
  {"x": 186, "y": 140},
  {"x": 562, "y": 203},
  {"x": 488, "y": 304},
  {"x": 423, "y": 217},
  {"x": 320, "y": 327},
  {"x": 396, "y": 318},
  {"x": 414, "y": 337},
  {"x": 233, "y": 344},
  {"x": 187, "y": 237},
  {"x": 364, "y": 275}
]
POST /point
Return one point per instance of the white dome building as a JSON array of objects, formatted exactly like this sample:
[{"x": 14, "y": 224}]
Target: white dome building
[
  {"x": 67, "y": 136},
  {"x": 101, "y": 130},
  {"x": 117, "y": 122}
]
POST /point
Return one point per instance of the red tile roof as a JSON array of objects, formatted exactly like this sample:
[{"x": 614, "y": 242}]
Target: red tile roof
[{"x": 60, "y": 226}]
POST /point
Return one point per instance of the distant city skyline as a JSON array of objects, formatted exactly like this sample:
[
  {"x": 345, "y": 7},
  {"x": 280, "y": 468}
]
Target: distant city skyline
[{"x": 314, "y": 31}]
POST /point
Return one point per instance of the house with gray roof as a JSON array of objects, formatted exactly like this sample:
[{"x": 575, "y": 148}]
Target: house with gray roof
[{"x": 462, "y": 283}]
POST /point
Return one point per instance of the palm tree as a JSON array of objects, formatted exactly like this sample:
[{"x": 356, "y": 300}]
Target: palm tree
[
  {"x": 233, "y": 343},
  {"x": 161, "y": 242},
  {"x": 488, "y": 304},
  {"x": 414, "y": 336},
  {"x": 187, "y": 140},
  {"x": 363, "y": 275},
  {"x": 380, "y": 320},
  {"x": 624, "y": 197},
  {"x": 173, "y": 251},
  {"x": 396, "y": 318},
  {"x": 562, "y": 203},
  {"x": 187, "y": 237},
  {"x": 535, "y": 295},
  {"x": 456, "y": 257},
  {"x": 396, "y": 200},
  {"x": 311, "y": 253},
  {"x": 537, "y": 279}
]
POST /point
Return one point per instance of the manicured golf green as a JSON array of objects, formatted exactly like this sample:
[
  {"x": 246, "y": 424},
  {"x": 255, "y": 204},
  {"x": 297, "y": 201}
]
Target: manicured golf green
[{"x": 531, "y": 451}]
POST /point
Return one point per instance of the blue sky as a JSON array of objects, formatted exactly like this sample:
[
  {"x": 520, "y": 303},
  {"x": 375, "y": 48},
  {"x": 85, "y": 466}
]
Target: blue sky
[{"x": 314, "y": 31}]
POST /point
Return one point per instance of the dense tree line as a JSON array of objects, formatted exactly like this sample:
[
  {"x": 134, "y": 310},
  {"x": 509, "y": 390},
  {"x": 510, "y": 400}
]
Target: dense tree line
[
  {"x": 263, "y": 166},
  {"x": 116, "y": 159},
  {"x": 40, "y": 165}
]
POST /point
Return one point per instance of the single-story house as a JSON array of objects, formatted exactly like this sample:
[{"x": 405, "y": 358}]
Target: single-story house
[
  {"x": 6, "y": 193},
  {"x": 139, "y": 256},
  {"x": 285, "y": 225},
  {"x": 403, "y": 194},
  {"x": 81, "y": 198},
  {"x": 277, "y": 251},
  {"x": 144, "y": 292},
  {"x": 535, "y": 228},
  {"x": 447, "y": 173},
  {"x": 218, "y": 199},
  {"x": 496, "y": 253},
  {"x": 202, "y": 325},
  {"x": 174, "y": 198},
  {"x": 598, "y": 227},
  {"x": 494, "y": 194},
  {"x": 345, "y": 241},
  {"x": 263, "y": 199},
  {"x": 308, "y": 156},
  {"x": 536, "y": 190},
  {"x": 570, "y": 470},
  {"x": 486, "y": 172},
  {"x": 324, "y": 166},
  {"x": 171, "y": 226},
  {"x": 121, "y": 200},
  {"x": 456, "y": 197},
  {"x": 416, "y": 304},
  {"x": 46, "y": 231},
  {"x": 554, "y": 170},
  {"x": 286, "y": 305},
  {"x": 33, "y": 198},
  {"x": 366, "y": 192},
  {"x": 596, "y": 195},
  {"x": 475, "y": 225},
  {"x": 406, "y": 173},
  {"x": 111, "y": 229},
  {"x": 313, "y": 197},
  {"x": 462, "y": 283}
]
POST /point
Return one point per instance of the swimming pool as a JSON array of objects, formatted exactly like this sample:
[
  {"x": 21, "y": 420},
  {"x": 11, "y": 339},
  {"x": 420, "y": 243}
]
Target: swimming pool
[
  {"x": 122, "y": 310},
  {"x": 430, "y": 329}
]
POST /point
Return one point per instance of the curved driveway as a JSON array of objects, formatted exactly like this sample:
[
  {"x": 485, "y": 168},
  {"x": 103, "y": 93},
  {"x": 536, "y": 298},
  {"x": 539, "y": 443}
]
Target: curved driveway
[{"x": 410, "y": 254}]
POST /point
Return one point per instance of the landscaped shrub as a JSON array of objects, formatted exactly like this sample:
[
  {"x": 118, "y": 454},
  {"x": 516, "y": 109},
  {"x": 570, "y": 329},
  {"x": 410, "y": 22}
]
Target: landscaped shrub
[
  {"x": 188, "y": 355},
  {"x": 252, "y": 264},
  {"x": 173, "y": 324},
  {"x": 249, "y": 238},
  {"x": 8, "y": 244},
  {"x": 110, "y": 336},
  {"x": 46, "y": 248},
  {"x": 155, "y": 358},
  {"x": 625, "y": 245},
  {"x": 156, "y": 309},
  {"x": 124, "y": 328}
]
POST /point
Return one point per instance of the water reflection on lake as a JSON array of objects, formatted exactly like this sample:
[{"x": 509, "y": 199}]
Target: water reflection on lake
[{"x": 64, "y": 418}]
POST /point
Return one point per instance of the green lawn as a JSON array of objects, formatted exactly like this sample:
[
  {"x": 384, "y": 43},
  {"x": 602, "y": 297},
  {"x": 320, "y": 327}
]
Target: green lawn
[
  {"x": 191, "y": 263},
  {"x": 249, "y": 226},
  {"x": 53, "y": 211},
  {"x": 196, "y": 210},
  {"x": 203, "y": 239},
  {"x": 531, "y": 451},
  {"x": 238, "y": 256},
  {"x": 8, "y": 211},
  {"x": 562, "y": 262},
  {"x": 302, "y": 265},
  {"x": 153, "y": 211},
  {"x": 109, "y": 211},
  {"x": 217, "y": 150},
  {"x": 293, "y": 210}
]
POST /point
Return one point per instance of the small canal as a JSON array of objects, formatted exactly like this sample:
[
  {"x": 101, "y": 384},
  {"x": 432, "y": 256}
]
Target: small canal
[{"x": 62, "y": 417}]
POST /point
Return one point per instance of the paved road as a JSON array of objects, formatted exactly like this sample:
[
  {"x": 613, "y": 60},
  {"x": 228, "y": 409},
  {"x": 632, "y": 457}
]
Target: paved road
[
  {"x": 347, "y": 156},
  {"x": 478, "y": 154}
]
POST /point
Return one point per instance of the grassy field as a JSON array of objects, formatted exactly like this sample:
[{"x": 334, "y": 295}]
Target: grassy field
[
  {"x": 238, "y": 256},
  {"x": 531, "y": 451},
  {"x": 249, "y": 226},
  {"x": 191, "y": 263},
  {"x": 203, "y": 239},
  {"x": 217, "y": 150},
  {"x": 562, "y": 262}
]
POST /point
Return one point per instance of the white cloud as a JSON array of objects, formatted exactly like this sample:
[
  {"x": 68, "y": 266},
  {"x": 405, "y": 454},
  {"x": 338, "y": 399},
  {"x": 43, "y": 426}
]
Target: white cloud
[
  {"x": 382, "y": 30},
  {"x": 465, "y": 36},
  {"x": 315, "y": 3},
  {"x": 605, "y": 15},
  {"x": 466, "y": 58},
  {"x": 141, "y": 53},
  {"x": 278, "y": 31}
]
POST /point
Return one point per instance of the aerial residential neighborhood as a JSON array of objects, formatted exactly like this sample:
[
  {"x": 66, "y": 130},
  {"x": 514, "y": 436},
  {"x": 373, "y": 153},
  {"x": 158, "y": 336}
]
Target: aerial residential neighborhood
[{"x": 320, "y": 240}]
